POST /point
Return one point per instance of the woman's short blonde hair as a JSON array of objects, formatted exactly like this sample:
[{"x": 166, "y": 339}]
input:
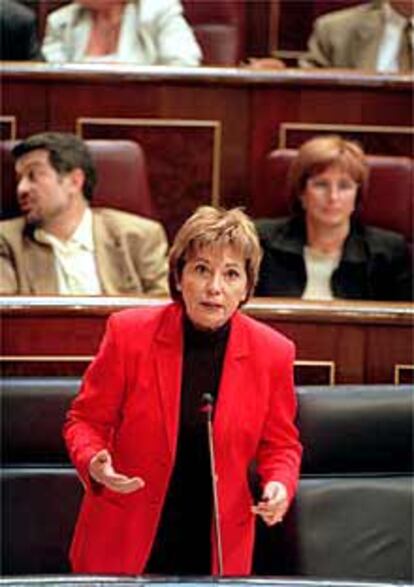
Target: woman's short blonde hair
[
  {"x": 215, "y": 227},
  {"x": 319, "y": 153}
]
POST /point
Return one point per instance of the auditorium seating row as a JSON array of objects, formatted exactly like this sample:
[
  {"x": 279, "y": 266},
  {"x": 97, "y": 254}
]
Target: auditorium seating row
[
  {"x": 198, "y": 149},
  {"x": 219, "y": 26},
  {"x": 123, "y": 184},
  {"x": 231, "y": 30},
  {"x": 351, "y": 519}
]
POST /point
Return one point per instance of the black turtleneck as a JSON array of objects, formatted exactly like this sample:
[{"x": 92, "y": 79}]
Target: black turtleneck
[{"x": 182, "y": 544}]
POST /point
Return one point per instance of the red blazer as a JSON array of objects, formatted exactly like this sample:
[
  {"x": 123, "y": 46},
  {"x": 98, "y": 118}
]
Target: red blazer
[{"x": 129, "y": 403}]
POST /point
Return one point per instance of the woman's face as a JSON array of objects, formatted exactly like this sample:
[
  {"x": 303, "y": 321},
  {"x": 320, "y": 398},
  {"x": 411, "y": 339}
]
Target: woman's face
[
  {"x": 213, "y": 284},
  {"x": 329, "y": 198}
]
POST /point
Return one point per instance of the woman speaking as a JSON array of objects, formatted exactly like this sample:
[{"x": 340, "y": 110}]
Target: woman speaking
[{"x": 137, "y": 433}]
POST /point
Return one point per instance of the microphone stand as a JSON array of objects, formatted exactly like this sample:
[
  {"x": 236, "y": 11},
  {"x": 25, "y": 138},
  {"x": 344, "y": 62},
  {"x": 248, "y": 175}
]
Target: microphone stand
[{"x": 207, "y": 408}]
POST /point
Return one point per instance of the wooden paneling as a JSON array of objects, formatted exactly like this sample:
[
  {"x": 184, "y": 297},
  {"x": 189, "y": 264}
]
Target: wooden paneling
[
  {"x": 182, "y": 159},
  {"x": 28, "y": 104},
  {"x": 7, "y": 128},
  {"x": 296, "y": 18},
  {"x": 250, "y": 107},
  {"x": 340, "y": 342},
  {"x": 404, "y": 374},
  {"x": 384, "y": 347},
  {"x": 262, "y": 30},
  {"x": 395, "y": 140}
]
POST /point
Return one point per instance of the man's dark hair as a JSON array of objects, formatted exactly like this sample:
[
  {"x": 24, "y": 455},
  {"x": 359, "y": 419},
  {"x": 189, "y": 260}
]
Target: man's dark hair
[{"x": 66, "y": 153}]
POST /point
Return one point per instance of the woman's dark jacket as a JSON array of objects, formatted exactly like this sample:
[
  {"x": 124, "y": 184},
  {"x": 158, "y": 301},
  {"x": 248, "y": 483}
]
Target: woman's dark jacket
[{"x": 375, "y": 265}]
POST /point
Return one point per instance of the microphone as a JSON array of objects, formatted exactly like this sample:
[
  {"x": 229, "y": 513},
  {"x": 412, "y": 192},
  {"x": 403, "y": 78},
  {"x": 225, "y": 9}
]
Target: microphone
[{"x": 207, "y": 405}]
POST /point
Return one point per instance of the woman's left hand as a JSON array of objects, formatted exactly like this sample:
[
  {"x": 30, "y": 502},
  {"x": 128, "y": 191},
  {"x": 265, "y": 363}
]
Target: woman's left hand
[{"x": 274, "y": 503}]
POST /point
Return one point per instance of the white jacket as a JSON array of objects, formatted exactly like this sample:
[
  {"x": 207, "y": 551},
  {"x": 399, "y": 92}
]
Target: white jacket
[{"x": 153, "y": 32}]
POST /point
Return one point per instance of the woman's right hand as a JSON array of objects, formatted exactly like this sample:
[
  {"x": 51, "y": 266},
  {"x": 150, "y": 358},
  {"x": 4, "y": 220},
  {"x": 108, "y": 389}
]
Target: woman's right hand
[{"x": 102, "y": 471}]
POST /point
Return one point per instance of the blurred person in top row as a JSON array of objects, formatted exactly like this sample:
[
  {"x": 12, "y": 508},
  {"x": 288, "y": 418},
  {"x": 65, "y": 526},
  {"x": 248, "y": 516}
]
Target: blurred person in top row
[
  {"x": 323, "y": 251},
  {"x": 60, "y": 245},
  {"x": 144, "y": 32},
  {"x": 18, "y": 32},
  {"x": 373, "y": 36}
]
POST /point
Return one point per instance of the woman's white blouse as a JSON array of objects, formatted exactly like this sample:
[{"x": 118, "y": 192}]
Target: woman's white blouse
[{"x": 153, "y": 32}]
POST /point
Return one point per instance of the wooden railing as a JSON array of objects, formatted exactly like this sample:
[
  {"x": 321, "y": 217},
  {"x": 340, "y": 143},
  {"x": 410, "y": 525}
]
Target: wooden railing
[{"x": 337, "y": 342}]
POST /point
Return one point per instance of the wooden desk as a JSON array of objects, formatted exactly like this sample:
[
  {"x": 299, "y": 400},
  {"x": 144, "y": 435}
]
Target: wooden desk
[
  {"x": 341, "y": 342},
  {"x": 206, "y": 131}
]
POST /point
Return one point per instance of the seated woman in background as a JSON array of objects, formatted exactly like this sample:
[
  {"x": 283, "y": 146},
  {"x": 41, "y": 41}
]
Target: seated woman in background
[
  {"x": 145, "y": 32},
  {"x": 323, "y": 251}
]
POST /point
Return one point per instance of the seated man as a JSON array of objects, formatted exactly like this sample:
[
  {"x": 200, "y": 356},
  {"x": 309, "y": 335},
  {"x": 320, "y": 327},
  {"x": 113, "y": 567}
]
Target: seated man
[
  {"x": 18, "y": 34},
  {"x": 375, "y": 36},
  {"x": 323, "y": 251},
  {"x": 145, "y": 32},
  {"x": 62, "y": 246}
]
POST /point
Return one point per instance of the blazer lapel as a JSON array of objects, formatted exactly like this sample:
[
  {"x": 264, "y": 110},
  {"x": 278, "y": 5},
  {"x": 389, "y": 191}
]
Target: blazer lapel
[
  {"x": 168, "y": 356},
  {"x": 129, "y": 46},
  {"x": 365, "y": 45},
  {"x": 79, "y": 32},
  {"x": 168, "y": 352},
  {"x": 110, "y": 259},
  {"x": 40, "y": 268},
  {"x": 231, "y": 381}
]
